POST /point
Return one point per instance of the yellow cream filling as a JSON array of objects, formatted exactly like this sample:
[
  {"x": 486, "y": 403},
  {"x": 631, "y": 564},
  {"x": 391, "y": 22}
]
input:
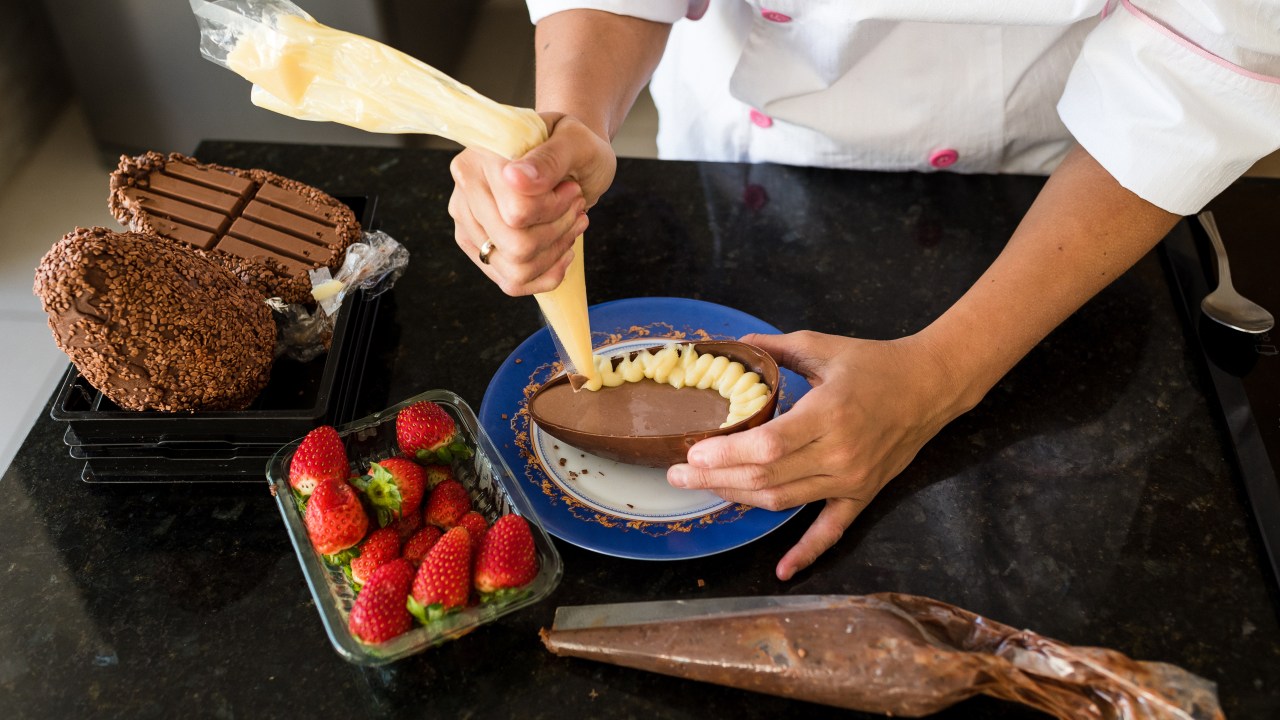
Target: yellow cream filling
[{"x": 681, "y": 366}]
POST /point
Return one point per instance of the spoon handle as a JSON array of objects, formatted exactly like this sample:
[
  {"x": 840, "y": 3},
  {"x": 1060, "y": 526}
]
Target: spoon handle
[{"x": 1211, "y": 228}]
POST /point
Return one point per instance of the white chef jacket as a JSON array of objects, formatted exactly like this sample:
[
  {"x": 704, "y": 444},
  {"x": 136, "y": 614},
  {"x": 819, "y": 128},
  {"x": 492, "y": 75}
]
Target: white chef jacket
[{"x": 1175, "y": 98}]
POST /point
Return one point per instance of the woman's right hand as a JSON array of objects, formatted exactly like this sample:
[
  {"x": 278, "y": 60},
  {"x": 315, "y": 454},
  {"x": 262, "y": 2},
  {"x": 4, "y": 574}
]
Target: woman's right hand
[{"x": 532, "y": 208}]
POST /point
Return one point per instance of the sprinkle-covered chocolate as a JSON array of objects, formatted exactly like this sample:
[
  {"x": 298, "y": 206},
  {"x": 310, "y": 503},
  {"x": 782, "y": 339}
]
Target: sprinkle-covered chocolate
[
  {"x": 268, "y": 230},
  {"x": 155, "y": 325}
]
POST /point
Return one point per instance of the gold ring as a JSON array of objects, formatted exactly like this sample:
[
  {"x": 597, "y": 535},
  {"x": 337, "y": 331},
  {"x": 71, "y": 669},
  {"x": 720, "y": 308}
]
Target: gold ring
[{"x": 485, "y": 249}]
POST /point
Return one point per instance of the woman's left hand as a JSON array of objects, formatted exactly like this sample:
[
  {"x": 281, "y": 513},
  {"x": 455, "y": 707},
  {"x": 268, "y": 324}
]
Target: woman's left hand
[{"x": 873, "y": 405}]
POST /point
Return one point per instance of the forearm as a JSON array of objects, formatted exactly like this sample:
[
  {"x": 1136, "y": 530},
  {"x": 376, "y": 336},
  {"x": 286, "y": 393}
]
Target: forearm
[
  {"x": 592, "y": 65},
  {"x": 1080, "y": 234}
]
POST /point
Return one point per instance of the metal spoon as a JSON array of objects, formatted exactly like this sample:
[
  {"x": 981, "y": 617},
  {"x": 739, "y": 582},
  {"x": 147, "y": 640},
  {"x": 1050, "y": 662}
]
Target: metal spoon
[{"x": 1224, "y": 304}]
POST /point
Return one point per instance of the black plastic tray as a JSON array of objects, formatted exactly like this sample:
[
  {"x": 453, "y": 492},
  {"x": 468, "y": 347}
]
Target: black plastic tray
[
  {"x": 298, "y": 396},
  {"x": 170, "y": 470}
]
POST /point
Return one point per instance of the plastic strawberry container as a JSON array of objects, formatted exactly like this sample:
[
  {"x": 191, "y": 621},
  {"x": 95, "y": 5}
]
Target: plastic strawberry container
[{"x": 494, "y": 492}]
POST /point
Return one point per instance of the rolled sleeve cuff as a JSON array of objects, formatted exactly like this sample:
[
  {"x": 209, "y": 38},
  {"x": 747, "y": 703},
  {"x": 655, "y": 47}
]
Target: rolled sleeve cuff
[
  {"x": 1171, "y": 122},
  {"x": 663, "y": 11}
]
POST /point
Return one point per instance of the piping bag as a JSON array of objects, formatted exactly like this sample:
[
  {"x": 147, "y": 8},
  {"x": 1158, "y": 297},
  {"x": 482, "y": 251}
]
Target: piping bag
[
  {"x": 305, "y": 70},
  {"x": 889, "y": 653}
]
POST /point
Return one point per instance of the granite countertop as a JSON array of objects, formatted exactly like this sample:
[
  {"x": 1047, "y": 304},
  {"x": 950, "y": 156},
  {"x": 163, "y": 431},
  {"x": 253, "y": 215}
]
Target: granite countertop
[{"x": 1089, "y": 498}]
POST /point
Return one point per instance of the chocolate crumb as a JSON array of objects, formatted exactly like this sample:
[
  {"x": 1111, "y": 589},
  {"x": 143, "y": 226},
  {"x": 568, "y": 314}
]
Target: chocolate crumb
[
  {"x": 702, "y": 583},
  {"x": 504, "y": 416},
  {"x": 563, "y": 462},
  {"x": 633, "y": 507},
  {"x": 518, "y": 361}
]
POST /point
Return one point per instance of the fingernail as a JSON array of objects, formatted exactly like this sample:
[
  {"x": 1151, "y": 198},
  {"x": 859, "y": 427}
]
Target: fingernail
[
  {"x": 678, "y": 476},
  {"x": 698, "y": 457},
  {"x": 526, "y": 169}
]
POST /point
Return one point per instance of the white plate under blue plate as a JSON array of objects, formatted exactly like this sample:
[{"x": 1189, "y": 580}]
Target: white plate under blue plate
[{"x": 609, "y": 507}]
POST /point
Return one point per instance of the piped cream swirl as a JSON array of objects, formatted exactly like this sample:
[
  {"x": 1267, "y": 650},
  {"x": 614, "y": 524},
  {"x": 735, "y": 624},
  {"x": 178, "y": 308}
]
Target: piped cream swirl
[{"x": 681, "y": 366}]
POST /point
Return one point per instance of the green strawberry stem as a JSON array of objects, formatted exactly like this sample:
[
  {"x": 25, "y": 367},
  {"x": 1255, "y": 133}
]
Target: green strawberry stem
[
  {"x": 505, "y": 595},
  {"x": 300, "y": 500},
  {"x": 382, "y": 492},
  {"x": 355, "y": 586},
  {"x": 429, "y": 613},
  {"x": 445, "y": 454},
  {"x": 342, "y": 557}
]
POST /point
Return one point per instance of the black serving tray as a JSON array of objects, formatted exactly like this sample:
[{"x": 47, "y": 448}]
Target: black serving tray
[
  {"x": 297, "y": 397},
  {"x": 170, "y": 470}
]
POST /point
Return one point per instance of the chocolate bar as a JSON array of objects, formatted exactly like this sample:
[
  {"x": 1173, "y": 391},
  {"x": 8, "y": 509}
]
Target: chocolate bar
[{"x": 270, "y": 231}]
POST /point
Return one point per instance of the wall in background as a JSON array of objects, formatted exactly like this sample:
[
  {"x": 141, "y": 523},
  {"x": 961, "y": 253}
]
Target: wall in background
[
  {"x": 136, "y": 68},
  {"x": 34, "y": 83}
]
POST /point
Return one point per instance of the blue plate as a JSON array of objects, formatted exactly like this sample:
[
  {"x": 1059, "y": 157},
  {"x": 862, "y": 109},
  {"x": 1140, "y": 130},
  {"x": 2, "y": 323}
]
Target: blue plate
[{"x": 598, "y": 504}]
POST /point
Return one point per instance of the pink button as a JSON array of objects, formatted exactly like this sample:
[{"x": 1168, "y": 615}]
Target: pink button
[
  {"x": 761, "y": 120},
  {"x": 774, "y": 16},
  {"x": 946, "y": 157}
]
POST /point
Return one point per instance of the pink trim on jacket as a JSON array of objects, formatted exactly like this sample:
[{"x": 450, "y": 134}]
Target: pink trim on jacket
[{"x": 1170, "y": 33}]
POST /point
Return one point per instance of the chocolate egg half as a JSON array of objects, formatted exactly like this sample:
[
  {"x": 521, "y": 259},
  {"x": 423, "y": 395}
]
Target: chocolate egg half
[{"x": 646, "y": 422}]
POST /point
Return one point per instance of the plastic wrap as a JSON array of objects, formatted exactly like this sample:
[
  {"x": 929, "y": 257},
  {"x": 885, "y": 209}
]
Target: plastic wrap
[
  {"x": 372, "y": 265},
  {"x": 308, "y": 71},
  {"x": 888, "y": 653}
]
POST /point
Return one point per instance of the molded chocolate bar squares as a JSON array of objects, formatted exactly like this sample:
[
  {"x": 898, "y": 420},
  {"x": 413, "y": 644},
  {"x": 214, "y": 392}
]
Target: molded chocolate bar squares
[{"x": 268, "y": 230}]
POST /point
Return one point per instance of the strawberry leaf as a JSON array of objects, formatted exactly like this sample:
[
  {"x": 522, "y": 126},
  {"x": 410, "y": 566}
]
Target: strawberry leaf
[
  {"x": 342, "y": 557},
  {"x": 417, "y": 610},
  {"x": 503, "y": 596},
  {"x": 382, "y": 492},
  {"x": 355, "y": 586},
  {"x": 300, "y": 500},
  {"x": 429, "y": 613}
]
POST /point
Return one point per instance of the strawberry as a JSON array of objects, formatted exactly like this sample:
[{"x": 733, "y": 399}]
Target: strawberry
[
  {"x": 437, "y": 474},
  {"x": 427, "y": 433},
  {"x": 380, "y": 612},
  {"x": 395, "y": 487},
  {"x": 407, "y": 526},
  {"x": 507, "y": 558},
  {"x": 320, "y": 456},
  {"x": 446, "y": 504},
  {"x": 334, "y": 518},
  {"x": 476, "y": 527},
  {"x": 422, "y": 541},
  {"x": 377, "y": 549},
  {"x": 443, "y": 582}
]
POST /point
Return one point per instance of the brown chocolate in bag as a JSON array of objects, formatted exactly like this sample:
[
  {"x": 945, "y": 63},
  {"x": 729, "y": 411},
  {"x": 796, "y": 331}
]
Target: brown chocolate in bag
[{"x": 889, "y": 653}]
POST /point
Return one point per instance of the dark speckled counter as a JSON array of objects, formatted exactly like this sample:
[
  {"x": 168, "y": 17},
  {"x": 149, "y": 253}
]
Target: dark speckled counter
[{"x": 1090, "y": 497}]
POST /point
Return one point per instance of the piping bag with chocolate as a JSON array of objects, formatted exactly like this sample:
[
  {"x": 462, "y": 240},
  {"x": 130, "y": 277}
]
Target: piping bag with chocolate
[
  {"x": 308, "y": 71},
  {"x": 901, "y": 655}
]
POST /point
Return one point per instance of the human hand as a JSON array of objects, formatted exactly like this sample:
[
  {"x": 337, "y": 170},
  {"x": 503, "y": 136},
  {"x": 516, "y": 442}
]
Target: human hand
[
  {"x": 873, "y": 405},
  {"x": 532, "y": 208}
]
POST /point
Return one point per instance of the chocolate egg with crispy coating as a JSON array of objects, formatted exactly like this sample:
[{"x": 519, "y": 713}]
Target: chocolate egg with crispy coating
[
  {"x": 654, "y": 423},
  {"x": 154, "y": 325}
]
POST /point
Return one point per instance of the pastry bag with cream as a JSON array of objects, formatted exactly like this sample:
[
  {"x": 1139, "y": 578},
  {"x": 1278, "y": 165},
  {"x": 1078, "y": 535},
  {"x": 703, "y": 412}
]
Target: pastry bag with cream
[{"x": 309, "y": 71}]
